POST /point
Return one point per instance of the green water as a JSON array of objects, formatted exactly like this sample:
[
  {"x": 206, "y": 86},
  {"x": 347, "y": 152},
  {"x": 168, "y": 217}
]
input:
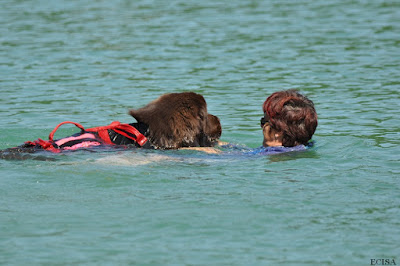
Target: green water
[{"x": 90, "y": 61}]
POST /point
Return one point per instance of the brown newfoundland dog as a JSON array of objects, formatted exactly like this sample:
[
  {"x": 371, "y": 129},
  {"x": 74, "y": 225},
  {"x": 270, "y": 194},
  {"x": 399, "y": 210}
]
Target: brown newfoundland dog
[
  {"x": 177, "y": 120},
  {"x": 172, "y": 121}
]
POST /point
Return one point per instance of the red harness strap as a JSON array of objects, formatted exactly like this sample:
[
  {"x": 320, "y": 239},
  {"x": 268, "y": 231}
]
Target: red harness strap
[
  {"x": 134, "y": 134},
  {"x": 45, "y": 144},
  {"x": 51, "y": 135},
  {"x": 123, "y": 129}
]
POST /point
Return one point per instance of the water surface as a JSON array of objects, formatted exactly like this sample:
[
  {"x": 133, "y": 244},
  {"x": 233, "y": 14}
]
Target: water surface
[{"x": 90, "y": 61}]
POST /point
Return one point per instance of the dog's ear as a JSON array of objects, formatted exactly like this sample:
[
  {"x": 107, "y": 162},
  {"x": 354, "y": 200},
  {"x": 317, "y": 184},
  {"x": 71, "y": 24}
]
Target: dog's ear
[
  {"x": 211, "y": 133},
  {"x": 138, "y": 115},
  {"x": 134, "y": 114},
  {"x": 148, "y": 112},
  {"x": 213, "y": 127}
]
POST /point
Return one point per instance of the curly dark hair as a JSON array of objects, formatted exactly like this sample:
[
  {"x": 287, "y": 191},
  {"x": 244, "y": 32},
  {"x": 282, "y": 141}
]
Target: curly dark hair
[{"x": 293, "y": 114}]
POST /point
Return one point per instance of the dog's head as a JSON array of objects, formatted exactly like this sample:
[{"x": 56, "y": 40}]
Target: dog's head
[
  {"x": 212, "y": 131},
  {"x": 179, "y": 120}
]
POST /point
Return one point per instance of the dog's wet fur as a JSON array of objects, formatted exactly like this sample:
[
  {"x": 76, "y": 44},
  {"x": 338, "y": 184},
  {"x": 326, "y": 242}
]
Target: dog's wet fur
[{"x": 179, "y": 120}]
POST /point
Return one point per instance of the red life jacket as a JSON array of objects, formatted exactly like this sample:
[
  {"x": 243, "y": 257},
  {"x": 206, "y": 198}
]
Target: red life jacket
[{"x": 89, "y": 137}]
